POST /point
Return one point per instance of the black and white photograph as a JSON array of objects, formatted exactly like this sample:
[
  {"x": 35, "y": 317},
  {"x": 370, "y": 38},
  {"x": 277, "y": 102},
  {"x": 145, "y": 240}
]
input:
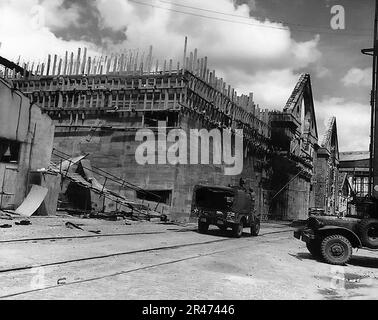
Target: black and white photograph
[{"x": 188, "y": 155}]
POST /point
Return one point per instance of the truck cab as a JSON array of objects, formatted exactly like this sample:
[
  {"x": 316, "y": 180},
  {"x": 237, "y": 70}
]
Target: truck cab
[{"x": 225, "y": 207}]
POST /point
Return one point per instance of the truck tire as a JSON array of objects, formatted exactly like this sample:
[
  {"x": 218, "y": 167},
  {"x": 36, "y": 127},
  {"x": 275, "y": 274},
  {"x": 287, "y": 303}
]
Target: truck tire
[
  {"x": 336, "y": 249},
  {"x": 203, "y": 227},
  {"x": 368, "y": 232},
  {"x": 313, "y": 246},
  {"x": 237, "y": 229},
  {"x": 255, "y": 228}
]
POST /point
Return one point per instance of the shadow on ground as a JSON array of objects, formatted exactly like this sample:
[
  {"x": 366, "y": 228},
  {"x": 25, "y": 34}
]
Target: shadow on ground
[
  {"x": 360, "y": 261},
  {"x": 304, "y": 256}
]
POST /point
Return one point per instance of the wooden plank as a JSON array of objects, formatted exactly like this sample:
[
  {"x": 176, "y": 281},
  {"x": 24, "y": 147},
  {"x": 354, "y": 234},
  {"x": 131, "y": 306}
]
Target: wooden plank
[
  {"x": 130, "y": 66},
  {"x": 115, "y": 63},
  {"x": 170, "y": 66},
  {"x": 204, "y": 67},
  {"x": 136, "y": 61},
  {"x": 141, "y": 61},
  {"x": 89, "y": 64},
  {"x": 93, "y": 67},
  {"x": 157, "y": 66},
  {"x": 70, "y": 70},
  {"x": 65, "y": 64},
  {"x": 32, "y": 68},
  {"x": 99, "y": 64},
  {"x": 184, "y": 60},
  {"x": 54, "y": 65},
  {"x": 121, "y": 66},
  {"x": 84, "y": 61},
  {"x": 48, "y": 65},
  {"x": 77, "y": 66},
  {"x": 191, "y": 62},
  {"x": 108, "y": 64},
  {"x": 59, "y": 67},
  {"x": 149, "y": 65},
  {"x": 195, "y": 57}
]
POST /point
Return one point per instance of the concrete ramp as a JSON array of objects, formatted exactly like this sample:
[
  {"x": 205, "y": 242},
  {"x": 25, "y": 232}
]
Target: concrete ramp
[{"x": 33, "y": 201}]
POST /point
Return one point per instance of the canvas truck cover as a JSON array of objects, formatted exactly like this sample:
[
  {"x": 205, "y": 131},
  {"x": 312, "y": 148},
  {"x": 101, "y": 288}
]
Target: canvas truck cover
[{"x": 242, "y": 203}]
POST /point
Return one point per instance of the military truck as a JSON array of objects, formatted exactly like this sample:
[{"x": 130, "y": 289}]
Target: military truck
[
  {"x": 333, "y": 238},
  {"x": 225, "y": 207}
]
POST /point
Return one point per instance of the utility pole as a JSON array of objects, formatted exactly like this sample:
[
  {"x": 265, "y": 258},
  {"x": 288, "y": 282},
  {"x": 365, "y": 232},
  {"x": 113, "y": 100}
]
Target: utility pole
[{"x": 373, "y": 165}]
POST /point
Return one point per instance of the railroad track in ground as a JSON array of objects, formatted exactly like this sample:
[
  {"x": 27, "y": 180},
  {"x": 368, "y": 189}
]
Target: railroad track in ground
[
  {"x": 107, "y": 235},
  {"x": 79, "y": 237},
  {"x": 242, "y": 243}
]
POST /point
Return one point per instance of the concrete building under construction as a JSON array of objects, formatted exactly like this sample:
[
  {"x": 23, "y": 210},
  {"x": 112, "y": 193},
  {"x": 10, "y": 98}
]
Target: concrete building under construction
[
  {"x": 97, "y": 108},
  {"x": 98, "y": 105}
]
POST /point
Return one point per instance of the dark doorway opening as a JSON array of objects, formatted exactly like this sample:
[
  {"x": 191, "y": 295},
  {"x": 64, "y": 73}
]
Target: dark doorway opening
[
  {"x": 9, "y": 151},
  {"x": 162, "y": 196}
]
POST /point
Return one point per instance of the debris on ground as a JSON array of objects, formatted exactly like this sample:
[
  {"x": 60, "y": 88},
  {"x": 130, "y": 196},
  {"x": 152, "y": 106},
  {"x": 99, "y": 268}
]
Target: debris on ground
[
  {"x": 33, "y": 201},
  {"x": 23, "y": 223},
  {"x": 5, "y": 216},
  {"x": 72, "y": 225}
]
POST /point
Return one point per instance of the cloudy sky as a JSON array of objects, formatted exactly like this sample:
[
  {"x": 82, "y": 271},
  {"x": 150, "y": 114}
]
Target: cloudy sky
[{"x": 258, "y": 46}]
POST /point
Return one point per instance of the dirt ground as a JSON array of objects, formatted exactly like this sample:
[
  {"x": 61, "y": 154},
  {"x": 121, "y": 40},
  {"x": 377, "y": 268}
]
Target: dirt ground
[{"x": 156, "y": 260}]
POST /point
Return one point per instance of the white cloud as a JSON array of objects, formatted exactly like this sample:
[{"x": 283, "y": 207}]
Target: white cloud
[
  {"x": 251, "y": 56},
  {"x": 357, "y": 77},
  {"x": 271, "y": 88},
  {"x": 250, "y": 45},
  {"x": 26, "y": 29},
  {"x": 256, "y": 56},
  {"x": 353, "y": 121},
  {"x": 322, "y": 72}
]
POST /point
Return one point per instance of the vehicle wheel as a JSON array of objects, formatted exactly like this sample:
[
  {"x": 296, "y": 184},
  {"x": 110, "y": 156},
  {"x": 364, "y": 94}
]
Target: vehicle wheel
[
  {"x": 203, "y": 227},
  {"x": 255, "y": 228},
  {"x": 313, "y": 246},
  {"x": 237, "y": 229},
  {"x": 336, "y": 249},
  {"x": 368, "y": 232}
]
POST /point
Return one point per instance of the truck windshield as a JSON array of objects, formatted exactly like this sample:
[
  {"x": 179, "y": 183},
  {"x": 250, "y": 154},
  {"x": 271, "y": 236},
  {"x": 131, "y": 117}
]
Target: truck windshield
[{"x": 212, "y": 198}]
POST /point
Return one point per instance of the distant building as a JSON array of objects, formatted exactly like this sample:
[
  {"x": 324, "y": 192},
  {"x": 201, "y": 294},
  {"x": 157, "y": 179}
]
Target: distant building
[
  {"x": 356, "y": 166},
  {"x": 295, "y": 140},
  {"x": 327, "y": 172}
]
